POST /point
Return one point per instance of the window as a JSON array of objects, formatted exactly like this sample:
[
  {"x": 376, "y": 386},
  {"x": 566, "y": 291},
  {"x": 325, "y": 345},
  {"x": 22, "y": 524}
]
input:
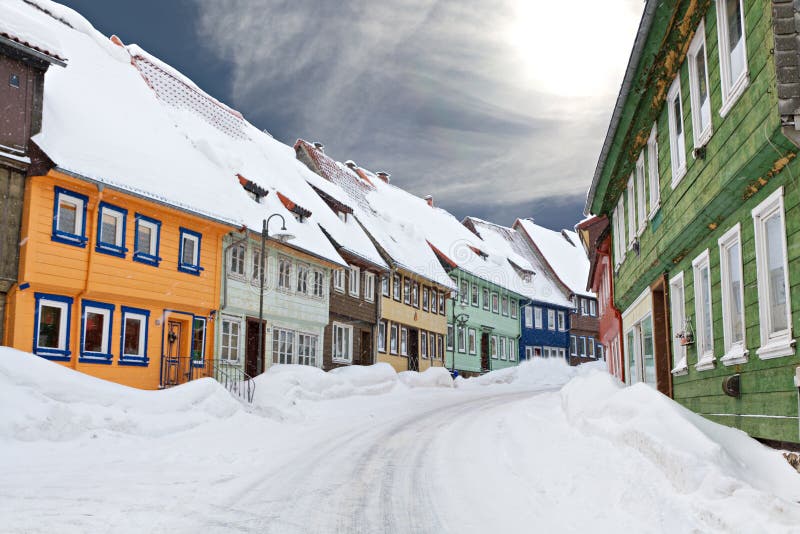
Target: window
[
  {"x": 354, "y": 281},
  {"x": 562, "y": 321},
  {"x": 495, "y": 303},
  {"x": 319, "y": 284},
  {"x": 307, "y": 349},
  {"x": 434, "y": 300},
  {"x": 631, "y": 211},
  {"x": 404, "y": 341},
  {"x": 425, "y": 298},
  {"x": 257, "y": 270},
  {"x": 730, "y": 260},
  {"x": 338, "y": 280},
  {"x": 593, "y": 307},
  {"x": 473, "y": 348},
  {"x": 527, "y": 314},
  {"x": 573, "y": 345},
  {"x": 513, "y": 308},
  {"x": 283, "y": 345},
  {"x": 423, "y": 344},
  {"x": 285, "y": 274},
  {"x": 13, "y": 81},
  {"x": 537, "y": 317},
  {"x": 462, "y": 342},
  {"x": 582, "y": 346},
  {"x": 619, "y": 231},
  {"x": 503, "y": 354},
  {"x": 236, "y": 260},
  {"x": 773, "y": 279},
  {"x": 342, "y": 342},
  {"x": 385, "y": 286},
  {"x": 415, "y": 295},
  {"x": 439, "y": 347},
  {"x": 369, "y": 287},
  {"x": 449, "y": 337},
  {"x": 590, "y": 346},
  {"x": 231, "y": 339},
  {"x": 678, "y": 318},
  {"x": 493, "y": 346},
  {"x": 504, "y": 307},
  {"x": 512, "y": 351},
  {"x": 699, "y": 88},
  {"x": 464, "y": 292},
  {"x": 52, "y": 326},
  {"x": 703, "y": 312},
  {"x": 732, "y": 52},
  {"x": 406, "y": 291},
  {"x": 396, "y": 287},
  {"x": 96, "y": 320},
  {"x": 641, "y": 196},
  {"x": 133, "y": 349},
  {"x": 475, "y": 295},
  {"x": 198, "y": 348},
  {"x": 654, "y": 181},
  {"x": 146, "y": 240},
  {"x": 111, "y": 230},
  {"x": 677, "y": 142},
  {"x": 485, "y": 298},
  {"x": 639, "y": 351},
  {"x": 382, "y": 336},
  {"x": 551, "y": 319},
  {"x": 69, "y": 217},
  {"x": 393, "y": 339},
  {"x": 528, "y": 352},
  {"x": 189, "y": 254},
  {"x": 302, "y": 278}
]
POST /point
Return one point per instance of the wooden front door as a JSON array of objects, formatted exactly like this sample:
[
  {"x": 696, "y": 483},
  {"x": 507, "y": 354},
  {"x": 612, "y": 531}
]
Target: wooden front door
[
  {"x": 366, "y": 348},
  {"x": 173, "y": 361},
  {"x": 485, "y": 351},
  {"x": 413, "y": 350},
  {"x": 254, "y": 362}
]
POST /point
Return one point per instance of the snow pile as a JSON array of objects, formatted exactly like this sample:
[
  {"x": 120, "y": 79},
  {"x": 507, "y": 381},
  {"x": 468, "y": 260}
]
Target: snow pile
[
  {"x": 42, "y": 400},
  {"x": 538, "y": 372},
  {"x": 433, "y": 377},
  {"x": 709, "y": 462}
]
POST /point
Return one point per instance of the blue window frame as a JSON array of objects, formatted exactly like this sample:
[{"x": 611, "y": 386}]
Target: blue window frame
[
  {"x": 111, "y": 227},
  {"x": 51, "y": 326},
  {"x": 69, "y": 217},
  {"x": 97, "y": 319},
  {"x": 146, "y": 240},
  {"x": 133, "y": 338},
  {"x": 189, "y": 252}
]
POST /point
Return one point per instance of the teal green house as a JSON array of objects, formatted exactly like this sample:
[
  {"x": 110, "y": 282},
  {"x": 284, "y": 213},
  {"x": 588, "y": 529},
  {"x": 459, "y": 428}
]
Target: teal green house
[{"x": 699, "y": 177}]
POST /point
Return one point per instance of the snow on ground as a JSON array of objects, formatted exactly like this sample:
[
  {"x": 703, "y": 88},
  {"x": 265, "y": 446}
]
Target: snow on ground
[{"x": 368, "y": 450}]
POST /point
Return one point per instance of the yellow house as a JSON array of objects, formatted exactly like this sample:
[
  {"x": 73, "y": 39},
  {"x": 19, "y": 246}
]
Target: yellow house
[
  {"x": 114, "y": 285},
  {"x": 413, "y": 325}
]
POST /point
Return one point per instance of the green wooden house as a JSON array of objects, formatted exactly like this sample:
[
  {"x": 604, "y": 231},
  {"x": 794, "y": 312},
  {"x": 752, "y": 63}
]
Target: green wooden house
[{"x": 699, "y": 178}]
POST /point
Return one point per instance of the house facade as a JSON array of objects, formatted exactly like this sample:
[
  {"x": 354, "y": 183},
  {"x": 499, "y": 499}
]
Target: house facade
[
  {"x": 22, "y": 68},
  {"x": 699, "y": 188}
]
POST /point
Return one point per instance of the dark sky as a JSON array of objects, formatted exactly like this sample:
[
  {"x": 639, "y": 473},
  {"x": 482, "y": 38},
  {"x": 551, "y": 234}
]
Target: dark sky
[{"x": 461, "y": 100}]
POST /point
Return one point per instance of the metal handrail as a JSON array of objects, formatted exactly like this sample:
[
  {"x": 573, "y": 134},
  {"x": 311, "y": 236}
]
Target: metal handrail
[
  {"x": 235, "y": 380},
  {"x": 176, "y": 370}
]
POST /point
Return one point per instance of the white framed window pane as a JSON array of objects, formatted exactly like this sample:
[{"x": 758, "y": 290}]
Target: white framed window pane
[
  {"x": 52, "y": 325},
  {"x": 773, "y": 233}
]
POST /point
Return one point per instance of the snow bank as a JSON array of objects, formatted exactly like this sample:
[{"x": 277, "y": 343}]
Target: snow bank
[
  {"x": 700, "y": 458},
  {"x": 430, "y": 378},
  {"x": 538, "y": 372},
  {"x": 43, "y": 400}
]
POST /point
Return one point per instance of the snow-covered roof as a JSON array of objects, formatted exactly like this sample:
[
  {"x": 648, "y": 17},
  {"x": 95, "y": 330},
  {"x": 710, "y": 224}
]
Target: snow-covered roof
[
  {"x": 562, "y": 251},
  {"x": 121, "y": 117},
  {"x": 17, "y": 24},
  {"x": 512, "y": 243}
]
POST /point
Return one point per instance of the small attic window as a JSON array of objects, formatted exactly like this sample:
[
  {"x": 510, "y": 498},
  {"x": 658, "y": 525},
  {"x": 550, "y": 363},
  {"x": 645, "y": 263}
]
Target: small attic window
[
  {"x": 342, "y": 215},
  {"x": 13, "y": 80}
]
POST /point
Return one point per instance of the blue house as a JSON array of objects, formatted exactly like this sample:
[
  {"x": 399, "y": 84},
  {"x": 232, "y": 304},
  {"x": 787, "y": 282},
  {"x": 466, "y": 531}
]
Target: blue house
[{"x": 545, "y": 330}]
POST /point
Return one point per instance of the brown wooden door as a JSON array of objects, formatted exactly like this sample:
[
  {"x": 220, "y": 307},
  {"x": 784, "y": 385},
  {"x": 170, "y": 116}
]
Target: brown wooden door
[
  {"x": 173, "y": 365},
  {"x": 413, "y": 350},
  {"x": 366, "y": 348},
  {"x": 251, "y": 349},
  {"x": 484, "y": 351}
]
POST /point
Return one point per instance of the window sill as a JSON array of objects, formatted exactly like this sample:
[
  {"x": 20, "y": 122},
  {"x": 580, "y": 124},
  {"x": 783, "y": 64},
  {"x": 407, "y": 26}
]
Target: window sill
[
  {"x": 146, "y": 258},
  {"x": 706, "y": 363},
  {"x": 342, "y": 360},
  {"x": 678, "y": 175},
  {"x": 735, "y": 93},
  {"x": 69, "y": 239},
  {"x": 54, "y": 356},
  {"x": 111, "y": 250},
  {"x": 190, "y": 269},
  {"x": 653, "y": 212},
  {"x": 134, "y": 362},
  {"x": 736, "y": 355},
  {"x": 103, "y": 359},
  {"x": 777, "y": 349}
]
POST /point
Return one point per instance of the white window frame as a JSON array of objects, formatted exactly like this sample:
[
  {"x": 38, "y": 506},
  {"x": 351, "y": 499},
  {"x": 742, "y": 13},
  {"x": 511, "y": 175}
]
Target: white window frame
[
  {"x": 503, "y": 353},
  {"x": 284, "y": 282},
  {"x": 493, "y": 348},
  {"x": 338, "y": 329},
  {"x": 486, "y": 298},
  {"x": 495, "y": 302},
  {"x": 394, "y": 338},
  {"x": 562, "y": 321},
  {"x": 698, "y": 46},
  {"x": 63, "y": 327},
  {"x": 303, "y": 286},
  {"x": 105, "y": 336},
  {"x": 354, "y": 281},
  {"x": 230, "y": 320},
  {"x": 631, "y": 196},
  {"x": 734, "y": 352},
  {"x": 397, "y": 287},
  {"x": 641, "y": 195},
  {"x": 678, "y": 320},
  {"x": 573, "y": 345},
  {"x": 233, "y": 260},
  {"x": 338, "y": 280},
  {"x": 382, "y": 336},
  {"x": 472, "y": 341},
  {"x": 423, "y": 344},
  {"x": 119, "y": 230},
  {"x": 731, "y": 89},
  {"x": 705, "y": 360},
  {"x": 318, "y": 284},
  {"x": 677, "y": 146},
  {"x": 450, "y": 337},
  {"x": 551, "y": 319},
  {"x": 653, "y": 178},
  {"x": 78, "y": 202},
  {"x": 461, "y": 339},
  {"x": 780, "y": 343},
  {"x": 512, "y": 353},
  {"x": 537, "y": 318},
  {"x": 307, "y": 349},
  {"x": 619, "y": 235},
  {"x": 289, "y": 342},
  {"x": 403, "y": 341},
  {"x": 195, "y": 263},
  {"x": 142, "y": 318},
  {"x": 527, "y": 312},
  {"x": 369, "y": 287}
]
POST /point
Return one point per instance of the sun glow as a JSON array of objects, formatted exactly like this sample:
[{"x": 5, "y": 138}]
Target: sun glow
[{"x": 578, "y": 48}]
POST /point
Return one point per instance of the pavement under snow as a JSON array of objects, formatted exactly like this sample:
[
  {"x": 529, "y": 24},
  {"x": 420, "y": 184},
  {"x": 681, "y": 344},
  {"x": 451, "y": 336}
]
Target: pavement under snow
[{"x": 538, "y": 448}]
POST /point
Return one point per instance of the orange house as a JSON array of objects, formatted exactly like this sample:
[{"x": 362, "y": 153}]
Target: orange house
[{"x": 115, "y": 285}]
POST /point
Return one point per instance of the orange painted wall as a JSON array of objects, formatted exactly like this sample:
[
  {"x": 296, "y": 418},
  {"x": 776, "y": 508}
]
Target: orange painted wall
[{"x": 83, "y": 273}]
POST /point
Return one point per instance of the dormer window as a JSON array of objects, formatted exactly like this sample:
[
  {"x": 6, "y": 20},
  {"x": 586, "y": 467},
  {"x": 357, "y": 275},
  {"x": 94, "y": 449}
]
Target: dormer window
[
  {"x": 13, "y": 81},
  {"x": 342, "y": 215}
]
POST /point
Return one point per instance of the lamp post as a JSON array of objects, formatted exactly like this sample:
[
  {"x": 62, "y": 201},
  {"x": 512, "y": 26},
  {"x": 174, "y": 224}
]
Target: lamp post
[{"x": 282, "y": 235}]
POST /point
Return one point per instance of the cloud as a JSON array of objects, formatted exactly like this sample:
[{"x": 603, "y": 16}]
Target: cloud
[{"x": 440, "y": 94}]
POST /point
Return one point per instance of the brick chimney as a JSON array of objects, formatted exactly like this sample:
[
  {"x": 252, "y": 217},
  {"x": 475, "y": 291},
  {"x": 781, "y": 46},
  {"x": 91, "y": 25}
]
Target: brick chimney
[
  {"x": 429, "y": 200},
  {"x": 383, "y": 175},
  {"x": 319, "y": 146}
]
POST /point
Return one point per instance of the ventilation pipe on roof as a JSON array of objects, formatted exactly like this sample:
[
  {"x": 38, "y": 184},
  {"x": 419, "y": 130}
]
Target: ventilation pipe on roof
[
  {"x": 383, "y": 175},
  {"x": 116, "y": 40},
  {"x": 429, "y": 200},
  {"x": 319, "y": 146},
  {"x": 350, "y": 163}
]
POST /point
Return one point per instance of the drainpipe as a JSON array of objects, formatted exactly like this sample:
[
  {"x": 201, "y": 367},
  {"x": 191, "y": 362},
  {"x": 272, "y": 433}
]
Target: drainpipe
[
  {"x": 225, "y": 264},
  {"x": 85, "y": 290}
]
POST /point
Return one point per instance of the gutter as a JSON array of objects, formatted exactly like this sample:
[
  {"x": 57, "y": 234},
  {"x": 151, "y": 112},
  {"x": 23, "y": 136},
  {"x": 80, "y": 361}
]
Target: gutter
[{"x": 627, "y": 82}]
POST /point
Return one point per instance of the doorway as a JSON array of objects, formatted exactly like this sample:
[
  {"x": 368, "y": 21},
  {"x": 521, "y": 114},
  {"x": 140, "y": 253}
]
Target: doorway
[
  {"x": 172, "y": 372},
  {"x": 253, "y": 362},
  {"x": 365, "y": 355},
  {"x": 485, "y": 351},
  {"x": 662, "y": 339},
  {"x": 413, "y": 349}
]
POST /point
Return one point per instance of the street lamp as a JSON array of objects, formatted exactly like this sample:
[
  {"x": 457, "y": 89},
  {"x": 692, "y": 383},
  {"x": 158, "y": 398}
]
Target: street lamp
[{"x": 282, "y": 235}]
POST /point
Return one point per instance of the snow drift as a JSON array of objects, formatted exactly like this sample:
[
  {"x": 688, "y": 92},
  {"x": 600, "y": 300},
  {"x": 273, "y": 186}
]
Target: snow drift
[{"x": 538, "y": 373}]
